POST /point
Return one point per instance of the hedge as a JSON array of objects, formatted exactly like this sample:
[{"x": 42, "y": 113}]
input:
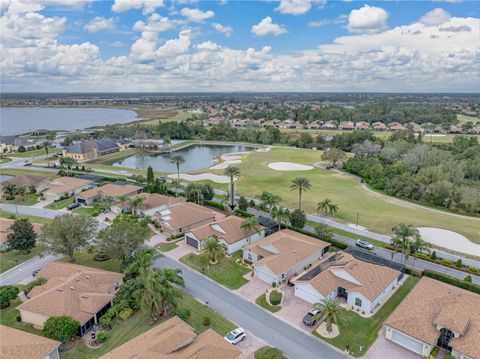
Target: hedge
[
  {"x": 220, "y": 206},
  {"x": 452, "y": 281},
  {"x": 241, "y": 213},
  {"x": 332, "y": 241}
]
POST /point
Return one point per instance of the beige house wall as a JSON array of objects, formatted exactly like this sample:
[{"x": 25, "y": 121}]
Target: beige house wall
[{"x": 33, "y": 318}]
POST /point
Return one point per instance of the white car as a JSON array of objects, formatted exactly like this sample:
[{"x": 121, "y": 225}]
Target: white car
[
  {"x": 363, "y": 244},
  {"x": 235, "y": 336}
]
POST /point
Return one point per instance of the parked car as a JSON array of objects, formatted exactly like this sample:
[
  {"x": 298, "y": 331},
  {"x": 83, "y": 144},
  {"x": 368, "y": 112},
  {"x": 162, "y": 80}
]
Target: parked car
[
  {"x": 363, "y": 244},
  {"x": 73, "y": 206},
  {"x": 35, "y": 272},
  {"x": 162, "y": 178},
  {"x": 236, "y": 336},
  {"x": 310, "y": 318}
]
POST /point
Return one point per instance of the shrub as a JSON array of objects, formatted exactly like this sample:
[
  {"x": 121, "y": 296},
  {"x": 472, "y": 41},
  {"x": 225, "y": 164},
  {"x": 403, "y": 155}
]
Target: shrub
[
  {"x": 335, "y": 242},
  {"x": 125, "y": 313},
  {"x": 468, "y": 279},
  {"x": 18, "y": 317},
  {"x": 275, "y": 297},
  {"x": 473, "y": 270},
  {"x": 7, "y": 294},
  {"x": 206, "y": 321},
  {"x": 433, "y": 256},
  {"x": 242, "y": 203},
  {"x": 274, "y": 284},
  {"x": 458, "y": 263},
  {"x": 106, "y": 321},
  {"x": 252, "y": 203},
  {"x": 434, "y": 352},
  {"x": 182, "y": 313},
  {"x": 31, "y": 285},
  {"x": 298, "y": 218},
  {"x": 446, "y": 262},
  {"x": 102, "y": 337},
  {"x": 101, "y": 257},
  {"x": 21, "y": 149},
  {"x": 453, "y": 281},
  {"x": 60, "y": 328}
]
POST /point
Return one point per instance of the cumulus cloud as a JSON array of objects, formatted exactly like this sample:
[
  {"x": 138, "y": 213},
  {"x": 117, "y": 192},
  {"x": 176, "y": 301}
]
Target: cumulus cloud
[
  {"x": 176, "y": 46},
  {"x": 434, "y": 17},
  {"x": 342, "y": 19},
  {"x": 267, "y": 27},
  {"x": 368, "y": 19},
  {"x": 226, "y": 30},
  {"x": 99, "y": 23},
  {"x": 196, "y": 15},
  {"x": 456, "y": 28},
  {"x": 296, "y": 7},
  {"x": 148, "y": 6}
]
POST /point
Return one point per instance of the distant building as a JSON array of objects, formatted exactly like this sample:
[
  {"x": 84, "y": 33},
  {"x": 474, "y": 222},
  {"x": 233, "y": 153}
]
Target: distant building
[
  {"x": 152, "y": 203},
  {"x": 346, "y": 126},
  {"x": 379, "y": 126},
  {"x": 12, "y": 143},
  {"x": 17, "y": 344},
  {"x": 362, "y": 126},
  {"x": 91, "y": 149},
  {"x": 395, "y": 126}
]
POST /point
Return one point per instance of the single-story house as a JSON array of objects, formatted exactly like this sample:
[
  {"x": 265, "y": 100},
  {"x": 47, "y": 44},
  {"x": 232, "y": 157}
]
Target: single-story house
[
  {"x": 379, "y": 126},
  {"x": 228, "y": 230},
  {"x": 283, "y": 254},
  {"x": 186, "y": 216},
  {"x": 62, "y": 186},
  {"x": 361, "y": 284},
  {"x": 17, "y": 344},
  {"x": 110, "y": 190},
  {"x": 25, "y": 180},
  {"x": 152, "y": 203},
  {"x": 91, "y": 149},
  {"x": 437, "y": 314},
  {"x": 175, "y": 339},
  {"x": 362, "y": 126},
  {"x": 346, "y": 126},
  {"x": 395, "y": 126},
  {"x": 80, "y": 292},
  {"x": 12, "y": 144},
  {"x": 5, "y": 224}
]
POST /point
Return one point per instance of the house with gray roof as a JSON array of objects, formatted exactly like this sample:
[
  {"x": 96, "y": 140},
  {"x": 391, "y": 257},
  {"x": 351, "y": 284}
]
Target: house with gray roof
[{"x": 91, "y": 149}]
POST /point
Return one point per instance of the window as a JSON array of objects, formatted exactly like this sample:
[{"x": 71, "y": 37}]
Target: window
[{"x": 358, "y": 302}]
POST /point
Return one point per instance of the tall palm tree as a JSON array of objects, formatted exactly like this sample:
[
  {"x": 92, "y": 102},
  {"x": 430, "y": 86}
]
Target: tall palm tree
[
  {"x": 402, "y": 239},
  {"x": 232, "y": 172},
  {"x": 281, "y": 215},
  {"x": 168, "y": 280},
  {"x": 301, "y": 184},
  {"x": 213, "y": 250},
  {"x": 269, "y": 200},
  {"x": 178, "y": 160},
  {"x": 331, "y": 310},
  {"x": 68, "y": 162},
  {"x": 150, "y": 298},
  {"x": 419, "y": 246},
  {"x": 249, "y": 225},
  {"x": 135, "y": 203},
  {"x": 46, "y": 152}
]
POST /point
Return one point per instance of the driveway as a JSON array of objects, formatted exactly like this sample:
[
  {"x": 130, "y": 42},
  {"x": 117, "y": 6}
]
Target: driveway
[
  {"x": 249, "y": 346},
  {"x": 294, "y": 309},
  {"x": 381, "y": 346},
  {"x": 156, "y": 239},
  {"x": 253, "y": 289},
  {"x": 182, "y": 250}
]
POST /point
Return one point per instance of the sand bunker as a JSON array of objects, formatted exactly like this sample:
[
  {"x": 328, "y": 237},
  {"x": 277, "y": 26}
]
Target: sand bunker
[
  {"x": 449, "y": 240},
  {"x": 227, "y": 161},
  {"x": 288, "y": 166},
  {"x": 202, "y": 176}
]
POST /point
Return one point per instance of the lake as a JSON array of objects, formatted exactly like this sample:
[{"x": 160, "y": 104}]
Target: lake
[
  {"x": 196, "y": 157},
  {"x": 18, "y": 120}
]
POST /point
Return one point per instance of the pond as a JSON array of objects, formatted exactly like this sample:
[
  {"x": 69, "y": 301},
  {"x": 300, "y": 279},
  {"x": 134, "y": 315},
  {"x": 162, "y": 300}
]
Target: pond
[{"x": 196, "y": 157}]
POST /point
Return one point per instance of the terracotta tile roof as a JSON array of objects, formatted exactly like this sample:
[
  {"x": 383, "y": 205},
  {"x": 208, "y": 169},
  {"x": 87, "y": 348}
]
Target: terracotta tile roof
[
  {"x": 111, "y": 190},
  {"x": 433, "y": 303},
  {"x": 5, "y": 224},
  {"x": 187, "y": 214},
  {"x": 66, "y": 184},
  {"x": 286, "y": 248},
  {"x": 228, "y": 228},
  {"x": 77, "y": 291},
  {"x": 25, "y": 180},
  {"x": 154, "y": 200},
  {"x": 17, "y": 344},
  {"x": 371, "y": 279},
  {"x": 175, "y": 339}
]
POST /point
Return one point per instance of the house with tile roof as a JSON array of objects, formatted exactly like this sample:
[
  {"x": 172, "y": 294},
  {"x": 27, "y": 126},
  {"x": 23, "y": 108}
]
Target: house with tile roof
[
  {"x": 228, "y": 230},
  {"x": 152, "y": 203},
  {"x": 175, "y": 339},
  {"x": 437, "y": 314},
  {"x": 17, "y": 344},
  {"x": 110, "y": 190},
  {"x": 91, "y": 149},
  {"x": 65, "y": 186},
  {"x": 283, "y": 254},
  {"x": 80, "y": 292},
  {"x": 362, "y": 285}
]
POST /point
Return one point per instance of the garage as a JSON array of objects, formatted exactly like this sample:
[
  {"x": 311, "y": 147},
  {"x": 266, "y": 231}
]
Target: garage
[
  {"x": 264, "y": 274},
  {"x": 192, "y": 242},
  {"x": 407, "y": 342},
  {"x": 308, "y": 293}
]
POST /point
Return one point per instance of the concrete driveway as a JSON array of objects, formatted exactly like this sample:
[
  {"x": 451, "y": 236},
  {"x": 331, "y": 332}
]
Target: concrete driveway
[
  {"x": 253, "y": 289},
  {"x": 182, "y": 250},
  {"x": 156, "y": 239},
  {"x": 249, "y": 346},
  {"x": 381, "y": 346},
  {"x": 294, "y": 309}
]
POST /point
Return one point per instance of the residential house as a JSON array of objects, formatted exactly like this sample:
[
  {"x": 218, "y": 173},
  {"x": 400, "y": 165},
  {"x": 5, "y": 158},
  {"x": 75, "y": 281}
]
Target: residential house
[
  {"x": 415, "y": 127},
  {"x": 437, "y": 314},
  {"x": 80, "y": 292},
  {"x": 175, "y": 339},
  {"x": 91, "y": 149},
  {"x": 228, "y": 230},
  {"x": 329, "y": 125},
  {"x": 17, "y": 344},
  {"x": 65, "y": 186},
  {"x": 346, "y": 126},
  {"x": 456, "y": 129},
  {"x": 152, "y": 203},
  {"x": 5, "y": 224},
  {"x": 314, "y": 125},
  {"x": 283, "y": 254},
  {"x": 362, "y": 126},
  {"x": 361, "y": 284},
  {"x": 475, "y": 130},
  {"x": 395, "y": 126},
  {"x": 110, "y": 190},
  {"x": 13, "y": 143},
  {"x": 379, "y": 126},
  {"x": 25, "y": 180}
]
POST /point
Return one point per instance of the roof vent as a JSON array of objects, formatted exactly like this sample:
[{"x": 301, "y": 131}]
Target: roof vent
[
  {"x": 72, "y": 288},
  {"x": 59, "y": 289},
  {"x": 84, "y": 296},
  {"x": 78, "y": 279},
  {"x": 87, "y": 276}
]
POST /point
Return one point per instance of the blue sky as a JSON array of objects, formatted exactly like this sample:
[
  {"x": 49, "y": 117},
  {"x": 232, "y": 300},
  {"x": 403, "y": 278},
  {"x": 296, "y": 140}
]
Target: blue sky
[{"x": 289, "y": 45}]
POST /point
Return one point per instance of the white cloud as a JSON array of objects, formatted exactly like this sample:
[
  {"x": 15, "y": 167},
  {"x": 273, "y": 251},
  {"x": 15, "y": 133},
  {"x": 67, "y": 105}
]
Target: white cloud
[
  {"x": 226, "y": 30},
  {"x": 148, "y": 6},
  {"x": 434, "y": 17},
  {"x": 100, "y": 23},
  {"x": 369, "y": 19},
  {"x": 207, "y": 45},
  {"x": 116, "y": 44},
  {"x": 175, "y": 46},
  {"x": 267, "y": 27},
  {"x": 342, "y": 19},
  {"x": 297, "y": 7},
  {"x": 196, "y": 15}
]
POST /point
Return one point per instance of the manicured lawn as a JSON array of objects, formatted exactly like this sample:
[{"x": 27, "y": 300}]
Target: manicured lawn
[
  {"x": 262, "y": 301},
  {"x": 86, "y": 211},
  {"x": 165, "y": 247},
  {"x": 61, "y": 204},
  {"x": 33, "y": 219},
  {"x": 86, "y": 259},
  {"x": 269, "y": 353},
  {"x": 226, "y": 272},
  {"x": 39, "y": 152},
  {"x": 19, "y": 172},
  {"x": 4, "y": 160},
  {"x": 8, "y": 317},
  {"x": 13, "y": 258},
  {"x": 359, "y": 332},
  {"x": 27, "y": 200}
]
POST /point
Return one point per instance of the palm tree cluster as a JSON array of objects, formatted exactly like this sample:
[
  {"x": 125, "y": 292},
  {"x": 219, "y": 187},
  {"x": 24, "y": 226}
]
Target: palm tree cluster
[
  {"x": 269, "y": 201},
  {"x": 407, "y": 239},
  {"x": 328, "y": 207}
]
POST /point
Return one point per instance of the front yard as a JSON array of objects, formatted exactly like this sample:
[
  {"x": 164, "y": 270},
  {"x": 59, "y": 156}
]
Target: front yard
[
  {"x": 86, "y": 211},
  {"x": 13, "y": 258},
  {"x": 262, "y": 301},
  {"x": 166, "y": 247},
  {"x": 60, "y": 204},
  {"x": 269, "y": 353},
  {"x": 358, "y": 332},
  {"x": 226, "y": 272},
  {"x": 27, "y": 200}
]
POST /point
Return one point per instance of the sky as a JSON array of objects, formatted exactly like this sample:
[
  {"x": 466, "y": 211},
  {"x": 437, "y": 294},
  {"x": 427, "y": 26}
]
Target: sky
[{"x": 209, "y": 46}]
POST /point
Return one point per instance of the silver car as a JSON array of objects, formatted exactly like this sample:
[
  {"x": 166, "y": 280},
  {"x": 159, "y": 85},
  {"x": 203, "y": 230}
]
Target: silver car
[
  {"x": 236, "y": 335},
  {"x": 363, "y": 244}
]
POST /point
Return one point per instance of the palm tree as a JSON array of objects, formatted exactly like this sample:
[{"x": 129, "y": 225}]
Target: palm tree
[
  {"x": 46, "y": 152},
  {"x": 301, "y": 184},
  {"x": 327, "y": 207},
  {"x": 177, "y": 161},
  {"x": 122, "y": 199},
  {"x": 135, "y": 203},
  {"x": 281, "y": 215},
  {"x": 402, "y": 239},
  {"x": 150, "y": 298},
  {"x": 331, "y": 310},
  {"x": 250, "y": 225},
  {"x": 269, "y": 200},
  {"x": 232, "y": 172},
  {"x": 213, "y": 250},
  {"x": 176, "y": 184},
  {"x": 67, "y": 162},
  {"x": 419, "y": 246},
  {"x": 168, "y": 280},
  {"x": 9, "y": 191}
]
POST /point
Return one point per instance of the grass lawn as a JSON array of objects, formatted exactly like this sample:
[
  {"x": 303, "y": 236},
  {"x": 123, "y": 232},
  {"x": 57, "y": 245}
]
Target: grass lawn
[
  {"x": 13, "y": 258},
  {"x": 358, "y": 331},
  {"x": 375, "y": 213},
  {"x": 8, "y": 317},
  {"x": 19, "y": 172},
  {"x": 27, "y": 200},
  {"x": 39, "y": 152},
  {"x": 86, "y": 259},
  {"x": 269, "y": 353},
  {"x": 4, "y": 160},
  {"x": 165, "y": 247},
  {"x": 33, "y": 219},
  {"x": 227, "y": 272},
  {"x": 61, "y": 204},
  {"x": 86, "y": 211},
  {"x": 262, "y": 301}
]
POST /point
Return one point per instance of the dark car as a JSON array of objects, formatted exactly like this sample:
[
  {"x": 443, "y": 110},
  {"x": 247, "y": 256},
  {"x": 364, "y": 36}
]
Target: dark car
[
  {"x": 311, "y": 317},
  {"x": 73, "y": 206},
  {"x": 363, "y": 244},
  {"x": 162, "y": 178},
  {"x": 35, "y": 272}
]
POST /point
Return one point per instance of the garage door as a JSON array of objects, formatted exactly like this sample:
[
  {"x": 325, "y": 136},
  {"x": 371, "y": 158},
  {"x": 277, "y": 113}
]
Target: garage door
[
  {"x": 264, "y": 275},
  {"x": 192, "y": 242},
  {"x": 305, "y": 294},
  {"x": 407, "y": 342}
]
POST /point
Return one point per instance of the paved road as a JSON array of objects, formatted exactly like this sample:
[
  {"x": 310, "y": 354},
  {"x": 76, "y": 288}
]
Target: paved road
[
  {"x": 22, "y": 271},
  {"x": 30, "y": 211},
  {"x": 292, "y": 341}
]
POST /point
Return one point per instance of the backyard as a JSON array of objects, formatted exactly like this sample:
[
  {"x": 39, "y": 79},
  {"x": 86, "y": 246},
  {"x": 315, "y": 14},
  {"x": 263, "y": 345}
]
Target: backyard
[{"x": 86, "y": 259}]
